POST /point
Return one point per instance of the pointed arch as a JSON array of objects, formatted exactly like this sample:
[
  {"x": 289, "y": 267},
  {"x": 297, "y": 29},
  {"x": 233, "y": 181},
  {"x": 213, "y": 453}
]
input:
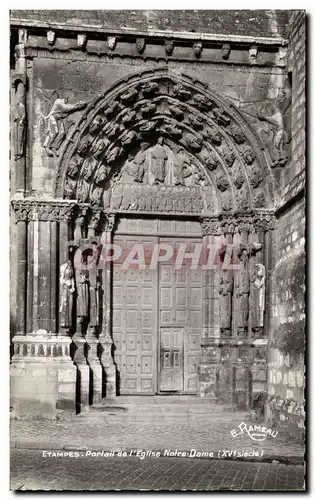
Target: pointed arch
[{"x": 127, "y": 120}]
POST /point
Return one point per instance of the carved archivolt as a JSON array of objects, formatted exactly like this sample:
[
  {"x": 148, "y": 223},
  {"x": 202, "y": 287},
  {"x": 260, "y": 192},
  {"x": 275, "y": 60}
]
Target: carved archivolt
[{"x": 158, "y": 129}]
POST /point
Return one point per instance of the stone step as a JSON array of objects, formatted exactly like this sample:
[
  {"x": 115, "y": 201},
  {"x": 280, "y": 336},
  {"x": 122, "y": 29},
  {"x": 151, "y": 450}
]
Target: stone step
[{"x": 145, "y": 406}]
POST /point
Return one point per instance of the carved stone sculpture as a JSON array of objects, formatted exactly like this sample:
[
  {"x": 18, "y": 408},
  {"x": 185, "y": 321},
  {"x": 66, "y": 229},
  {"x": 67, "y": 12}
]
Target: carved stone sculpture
[
  {"x": 242, "y": 292},
  {"x": 56, "y": 130},
  {"x": 226, "y": 49},
  {"x": 197, "y": 49},
  {"x": 226, "y": 290},
  {"x": 182, "y": 169},
  {"x": 258, "y": 295},
  {"x": 140, "y": 166},
  {"x": 20, "y": 120},
  {"x": 159, "y": 157},
  {"x": 82, "y": 286},
  {"x": 169, "y": 47},
  {"x": 67, "y": 289},
  {"x": 149, "y": 88}
]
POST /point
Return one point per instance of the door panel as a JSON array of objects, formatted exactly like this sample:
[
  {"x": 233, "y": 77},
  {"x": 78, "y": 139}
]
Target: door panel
[
  {"x": 135, "y": 322},
  {"x": 157, "y": 321},
  {"x": 171, "y": 355}
]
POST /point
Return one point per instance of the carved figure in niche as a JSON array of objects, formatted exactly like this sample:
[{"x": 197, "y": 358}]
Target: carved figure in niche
[
  {"x": 248, "y": 155},
  {"x": 97, "y": 124},
  {"x": 94, "y": 289},
  {"x": 199, "y": 177},
  {"x": 67, "y": 289},
  {"x": 102, "y": 174},
  {"x": 236, "y": 132},
  {"x": 181, "y": 92},
  {"x": 169, "y": 47},
  {"x": 128, "y": 139},
  {"x": 169, "y": 129},
  {"x": 193, "y": 141},
  {"x": 176, "y": 111},
  {"x": 226, "y": 49},
  {"x": 126, "y": 198},
  {"x": 242, "y": 197},
  {"x": 258, "y": 295},
  {"x": 111, "y": 42},
  {"x": 238, "y": 176},
  {"x": 197, "y": 49},
  {"x": 140, "y": 44},
  {"x": 226, "y": 290},
  {"x": 214, "y": 135},
  {"x": 88, "y": 167},
  {"x": 130, "y": 95},
  {"x": 195, "y": 122},
  {"x": 83, "y": 191},
  {"x": 129, "y": 117},
  {"x": 211, "y": 159},
  {"x": 113, "y": 154},
  {"x": 259, "y": 199},
  {"x": 222, "y": 182},
  {"x": 70, "y": 187},
  {"x": 111, "y": 109},
  {"x": 228, "y": 156},
  {"x": 202, "y": 103},
  {"x": 106, "y": 199},
  {"x": 159, "y": 158},
  {"x": 113, "y": 130},
  {"x": 139, "y": 164},
  {"x": 226, "y": 201},
  {"x": 82, "y": 295},
  {"x": 148, "y": 127},
  {"x": 74, "y": 166},
  {"x": 96, "y": 196},
  {"x": 19, "y": 120},
  {"x": 220, "y": 116},
  {"x": 149, "y": 88},
  {"x": 148, "y": 109},
  {"x": 56, "y": 131},
  {"x": 117, "y": 196},
  {"x": 84, "y": 145},
  {"x": 98, "y": 148},
  {"x": 273, "y": 119},
  {"x": 256, "y": 176},
  {"x": 243, "y": 286}
]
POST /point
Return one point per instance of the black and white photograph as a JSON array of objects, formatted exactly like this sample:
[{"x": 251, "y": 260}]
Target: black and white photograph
[{"x": 157, "y": 206}]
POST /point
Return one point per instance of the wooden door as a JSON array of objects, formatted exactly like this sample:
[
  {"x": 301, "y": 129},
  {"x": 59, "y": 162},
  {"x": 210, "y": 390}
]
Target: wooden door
[
  {"x": 171, "y": 359},
  {"x": 135, "y": 321},
  {"x": 180, "y": 308}
]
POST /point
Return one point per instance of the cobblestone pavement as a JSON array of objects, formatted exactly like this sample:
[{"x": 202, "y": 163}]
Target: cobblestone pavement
[
  {"x": 207, "y": 432},
  {"x": 31, "y": 471}
]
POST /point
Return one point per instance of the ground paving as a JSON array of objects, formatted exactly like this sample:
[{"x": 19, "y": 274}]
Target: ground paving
[
  {"x": 31, "y": 471},
  {"x": 149, "y": 431}
]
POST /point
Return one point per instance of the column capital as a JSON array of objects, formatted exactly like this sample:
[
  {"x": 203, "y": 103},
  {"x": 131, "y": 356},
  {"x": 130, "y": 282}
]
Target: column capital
[{"x": 28, "y": 209}]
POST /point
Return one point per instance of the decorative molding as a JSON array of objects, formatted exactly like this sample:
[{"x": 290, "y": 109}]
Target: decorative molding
[
  {"x": 119, "y": 126},
  {"x": 54, "y": 211},
  {"x": 237, "y": 223}
]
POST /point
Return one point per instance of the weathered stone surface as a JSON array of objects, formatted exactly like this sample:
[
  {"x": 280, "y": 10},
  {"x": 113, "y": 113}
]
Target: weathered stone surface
[{"x": 184, "y": 135}]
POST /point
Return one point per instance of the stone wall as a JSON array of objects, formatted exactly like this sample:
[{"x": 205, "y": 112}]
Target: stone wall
[{"x": 286, "y": 357}]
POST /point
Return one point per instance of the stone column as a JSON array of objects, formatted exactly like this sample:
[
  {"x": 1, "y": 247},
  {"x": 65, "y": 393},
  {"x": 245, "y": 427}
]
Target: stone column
[
  {"x": 21, "y": 225},
  {"x": 92, "y": 331},
  {"x": 210, "y": 352},
  {"x": 81, "y": 309},
  {"x": 225, "y": 288},
  {"x": 109, "y": 387}
]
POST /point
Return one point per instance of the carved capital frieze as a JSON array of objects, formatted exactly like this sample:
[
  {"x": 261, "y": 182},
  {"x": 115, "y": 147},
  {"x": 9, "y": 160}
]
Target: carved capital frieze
[
  {"x": 210, "y": 226},
  {"x": 237, "y": 223},
  {"x": 27, "y": 210}
]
